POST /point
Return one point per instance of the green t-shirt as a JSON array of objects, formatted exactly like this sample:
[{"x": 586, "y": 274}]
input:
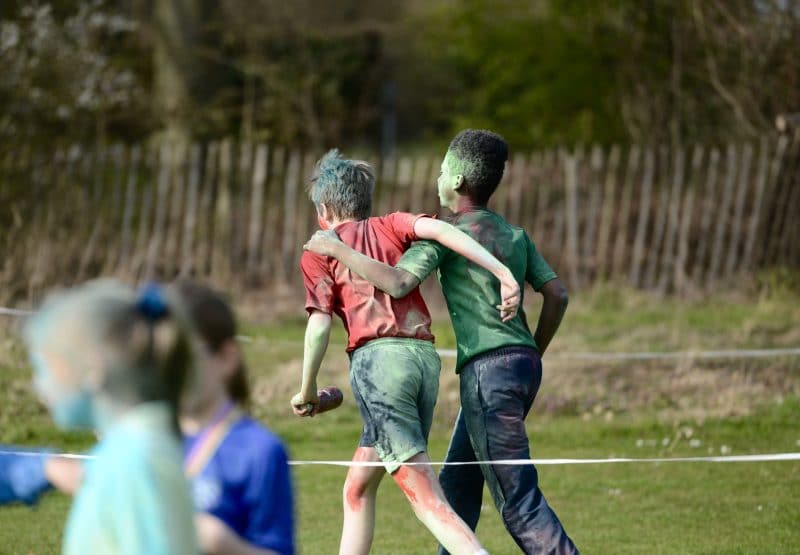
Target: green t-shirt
[{"x": 472, "y": 293}]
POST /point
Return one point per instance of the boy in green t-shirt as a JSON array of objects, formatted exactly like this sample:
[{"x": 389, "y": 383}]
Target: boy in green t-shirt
[{"x": 498, "y": 363}]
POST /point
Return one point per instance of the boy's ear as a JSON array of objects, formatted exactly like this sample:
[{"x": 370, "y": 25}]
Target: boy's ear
[{"x": 459, "y": 185}]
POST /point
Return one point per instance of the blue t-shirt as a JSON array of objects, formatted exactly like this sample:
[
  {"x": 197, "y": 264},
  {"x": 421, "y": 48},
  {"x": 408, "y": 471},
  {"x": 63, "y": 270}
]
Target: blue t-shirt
[{"x": 246, "y": 484}]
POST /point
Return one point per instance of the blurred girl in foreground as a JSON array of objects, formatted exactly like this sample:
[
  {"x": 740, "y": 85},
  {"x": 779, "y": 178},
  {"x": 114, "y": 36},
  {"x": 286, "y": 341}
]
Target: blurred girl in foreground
[
  {"x": 106, "y": 360},
  {"x": 238, "y": 469}
]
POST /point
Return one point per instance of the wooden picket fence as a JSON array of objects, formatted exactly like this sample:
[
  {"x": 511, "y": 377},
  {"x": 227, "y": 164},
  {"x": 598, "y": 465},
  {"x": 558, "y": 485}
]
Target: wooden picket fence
[{"x": 670, "y": 219}]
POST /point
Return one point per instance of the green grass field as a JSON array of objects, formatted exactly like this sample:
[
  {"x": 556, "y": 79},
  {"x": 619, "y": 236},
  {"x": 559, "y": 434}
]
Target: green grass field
[{"x": 675, "y": 408}]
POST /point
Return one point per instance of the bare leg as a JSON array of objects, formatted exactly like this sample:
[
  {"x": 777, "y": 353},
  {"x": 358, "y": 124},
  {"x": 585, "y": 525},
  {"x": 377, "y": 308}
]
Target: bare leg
[
  {"x": 360, "y": 489},
  {"x": 423, "y": 491}
]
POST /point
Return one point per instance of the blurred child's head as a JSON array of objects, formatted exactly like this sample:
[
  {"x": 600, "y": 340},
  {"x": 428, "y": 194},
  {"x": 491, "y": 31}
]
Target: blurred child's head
[
  {"x": 220, "y": 368},
  {"x": 341, "y": 189},
  {"x": 99, "y": 349},
  {"x": 472, "y": 167}
]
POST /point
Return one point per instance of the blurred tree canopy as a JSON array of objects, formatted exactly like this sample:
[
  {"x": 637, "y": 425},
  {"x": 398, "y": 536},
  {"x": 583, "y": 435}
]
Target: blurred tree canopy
[
  {"x": 69, "y": 71},
  {"x": 321, "y": 73}
]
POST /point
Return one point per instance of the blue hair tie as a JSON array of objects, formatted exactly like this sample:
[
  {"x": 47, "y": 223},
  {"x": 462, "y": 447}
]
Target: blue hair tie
[{"x": 151, "y": 303}]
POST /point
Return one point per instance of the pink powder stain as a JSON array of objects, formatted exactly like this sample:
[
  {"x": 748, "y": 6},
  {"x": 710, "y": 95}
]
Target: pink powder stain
[
  {"x": 403, "y": 478},
  {"x": 415, "y": 483},
  {"x": 353, "y": 497},
  {"x": 355, "y": 490}
]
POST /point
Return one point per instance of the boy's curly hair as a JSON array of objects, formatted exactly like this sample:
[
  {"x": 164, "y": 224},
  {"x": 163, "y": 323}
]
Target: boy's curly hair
[
  {"x": 480, "y": 157},
  {"x": 344, "y": 186}
]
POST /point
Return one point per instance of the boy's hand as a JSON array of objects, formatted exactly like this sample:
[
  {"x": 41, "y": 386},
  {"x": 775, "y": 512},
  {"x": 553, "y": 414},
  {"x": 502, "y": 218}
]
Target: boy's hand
[
  {"x": 305, "y": 405},
  {"x": 511, "y": 295},
  {"x": 323, "y": 242}
]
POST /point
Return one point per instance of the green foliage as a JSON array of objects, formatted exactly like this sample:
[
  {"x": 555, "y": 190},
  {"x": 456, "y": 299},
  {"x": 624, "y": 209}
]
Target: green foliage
[
  {"x": 539, "y": 74},
  {"x": 553, "y": 72},
  {"x": 68, "y": 75},
  {"x": 320, "y": 74}
]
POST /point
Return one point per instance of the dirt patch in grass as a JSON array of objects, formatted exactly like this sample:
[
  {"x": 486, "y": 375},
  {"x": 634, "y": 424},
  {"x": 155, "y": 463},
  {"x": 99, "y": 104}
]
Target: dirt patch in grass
[
  {"x": 681, "y": 390},
  {"x": 688, "y": 389}
]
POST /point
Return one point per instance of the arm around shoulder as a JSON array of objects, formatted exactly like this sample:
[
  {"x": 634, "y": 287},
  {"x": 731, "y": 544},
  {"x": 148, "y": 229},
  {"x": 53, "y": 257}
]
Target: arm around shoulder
[
  {"x": 461, "y": 243},
  {"x": 404, "y": 283},
  {"x": 396, "y": 282}
]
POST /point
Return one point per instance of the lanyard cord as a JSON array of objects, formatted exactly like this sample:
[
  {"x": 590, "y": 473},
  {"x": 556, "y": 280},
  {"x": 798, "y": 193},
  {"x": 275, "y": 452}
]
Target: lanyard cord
[{"x": 213, "y": 432}]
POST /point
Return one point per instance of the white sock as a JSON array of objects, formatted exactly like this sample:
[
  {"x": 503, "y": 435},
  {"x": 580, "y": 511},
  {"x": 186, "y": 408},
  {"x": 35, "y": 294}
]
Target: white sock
[{"x": 482, "y": 552}]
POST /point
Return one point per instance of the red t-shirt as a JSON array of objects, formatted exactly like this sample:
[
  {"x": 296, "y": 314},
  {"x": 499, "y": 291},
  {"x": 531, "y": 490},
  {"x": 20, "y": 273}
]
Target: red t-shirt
[{"x": 367, "y": 312}]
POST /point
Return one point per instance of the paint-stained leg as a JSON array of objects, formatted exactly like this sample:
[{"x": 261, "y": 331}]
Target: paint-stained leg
[
  {"x": 360, "y": 489},
  {"x": 462, "y": 485},
  {"x": 496, "y": 395},
  {"x": 423, "y": 491}
]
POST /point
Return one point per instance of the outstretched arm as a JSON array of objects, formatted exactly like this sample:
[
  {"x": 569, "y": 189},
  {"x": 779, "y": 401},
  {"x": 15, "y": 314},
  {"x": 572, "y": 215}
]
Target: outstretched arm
[
  {"x": 461, "y": 243},
  {"x": 398, "y": 283},
  {"x": 395, "y": 281},
  {"x": 553, "y": 308},
  {"x": 318, "y": 332}
]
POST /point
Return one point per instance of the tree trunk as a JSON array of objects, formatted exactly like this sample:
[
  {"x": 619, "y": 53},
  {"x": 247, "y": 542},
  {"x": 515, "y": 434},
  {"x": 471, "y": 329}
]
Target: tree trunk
[{"x": 175, "y": 66}]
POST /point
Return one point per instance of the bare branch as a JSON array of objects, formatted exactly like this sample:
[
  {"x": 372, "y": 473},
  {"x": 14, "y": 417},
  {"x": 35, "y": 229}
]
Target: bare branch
[{"x": 713, "y": 73}]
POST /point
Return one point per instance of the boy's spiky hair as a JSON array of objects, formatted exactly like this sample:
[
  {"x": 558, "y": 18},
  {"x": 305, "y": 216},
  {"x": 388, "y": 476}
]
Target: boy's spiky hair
[
  {"x": 480, "y": 156},
  {"x": 344, "y": 186}
]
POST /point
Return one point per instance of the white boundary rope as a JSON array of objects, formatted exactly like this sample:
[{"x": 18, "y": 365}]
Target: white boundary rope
[
  {"x": 520, "y": 462},
  {"x": 14, "y": 312},
  {"x": 763, "y": 457}
]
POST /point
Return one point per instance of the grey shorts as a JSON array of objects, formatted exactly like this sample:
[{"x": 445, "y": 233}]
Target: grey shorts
[{"x": 395, "y": 383}]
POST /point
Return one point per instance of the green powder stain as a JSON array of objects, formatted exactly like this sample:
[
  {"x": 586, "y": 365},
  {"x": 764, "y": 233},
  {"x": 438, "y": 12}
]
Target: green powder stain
[{"x": 457, "y": 165}]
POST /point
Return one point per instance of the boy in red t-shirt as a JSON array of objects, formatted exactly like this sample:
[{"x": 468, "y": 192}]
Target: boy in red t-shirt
[{"x": 394, "y": 369}]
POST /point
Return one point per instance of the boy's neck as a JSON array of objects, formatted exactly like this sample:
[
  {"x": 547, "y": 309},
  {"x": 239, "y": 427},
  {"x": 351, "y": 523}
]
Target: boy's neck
[
  {"x": 339, "y": 221},
  {"x": 465, "y": 204}
]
